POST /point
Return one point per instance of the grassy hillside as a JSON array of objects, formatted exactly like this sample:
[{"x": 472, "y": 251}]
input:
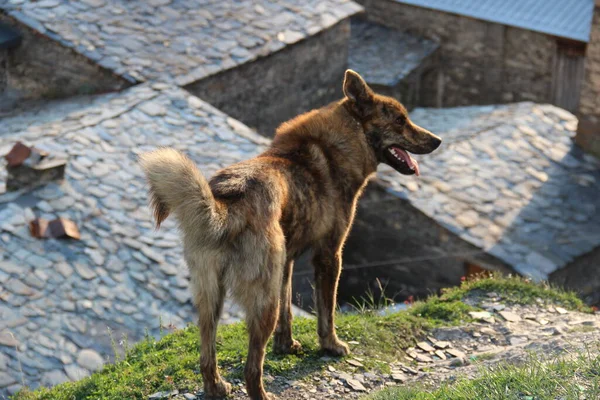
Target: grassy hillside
[{"x": 172, "y": 362}]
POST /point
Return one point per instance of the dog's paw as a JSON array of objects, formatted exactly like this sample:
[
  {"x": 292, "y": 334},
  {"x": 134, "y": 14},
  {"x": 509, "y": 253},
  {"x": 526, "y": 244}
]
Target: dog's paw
[
  {"x": 293, "y": 347},
  {"x": 335, "y": 347},
  {"x": 219, "y": 391}
]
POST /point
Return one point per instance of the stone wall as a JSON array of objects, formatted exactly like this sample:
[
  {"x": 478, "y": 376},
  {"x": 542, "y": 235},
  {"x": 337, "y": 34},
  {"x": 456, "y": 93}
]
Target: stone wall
[
  {"x": 3, "y": 72},
  {"x": 588, "y": 131},
  {"x": 394, "y": 242},
  {"x": 582, "y": 275},
  {"x": 266, "y": 92},
  {"x": 42, "y": 68},
  {"x": 409, "y": 89},
  {"x": 480, "y": 62}
]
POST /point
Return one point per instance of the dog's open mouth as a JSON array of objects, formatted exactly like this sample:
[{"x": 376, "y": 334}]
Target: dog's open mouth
[{"x": 401, "y": 161}]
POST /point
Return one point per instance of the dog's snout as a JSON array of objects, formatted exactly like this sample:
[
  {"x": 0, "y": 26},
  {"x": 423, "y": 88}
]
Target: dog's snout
[{"x": 436, "y": 141}]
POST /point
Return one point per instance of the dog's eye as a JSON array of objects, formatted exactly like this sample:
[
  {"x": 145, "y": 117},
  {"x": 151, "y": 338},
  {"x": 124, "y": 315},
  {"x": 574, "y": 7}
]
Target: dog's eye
[{"x": 401, "y": 120}]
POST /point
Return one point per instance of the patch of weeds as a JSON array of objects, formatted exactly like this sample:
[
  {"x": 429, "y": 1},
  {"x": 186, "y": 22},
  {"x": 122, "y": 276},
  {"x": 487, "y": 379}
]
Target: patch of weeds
[
  {"x": 479, "y": 358},
  {"x": 517, "y": 290},
  {"x": 576, "y": 378}
]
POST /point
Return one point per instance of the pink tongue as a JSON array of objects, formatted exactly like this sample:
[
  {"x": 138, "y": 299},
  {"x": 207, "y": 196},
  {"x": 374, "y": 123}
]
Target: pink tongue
[{"x": 412, "y": 163}]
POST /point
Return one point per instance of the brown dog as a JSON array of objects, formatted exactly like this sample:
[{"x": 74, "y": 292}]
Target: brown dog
[{"x": 244, "y": 228}]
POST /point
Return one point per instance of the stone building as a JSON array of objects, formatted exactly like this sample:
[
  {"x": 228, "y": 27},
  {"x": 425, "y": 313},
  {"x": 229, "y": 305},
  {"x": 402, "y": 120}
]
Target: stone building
[
  {"x": 496, "y": 52},
  {"x": 588, "y": 132}
]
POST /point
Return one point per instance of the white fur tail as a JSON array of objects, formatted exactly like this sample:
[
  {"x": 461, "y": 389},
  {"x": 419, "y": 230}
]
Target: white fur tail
[{"x": 176, "y": 185}]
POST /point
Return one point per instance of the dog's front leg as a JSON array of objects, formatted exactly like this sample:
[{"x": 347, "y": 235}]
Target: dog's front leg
[{"x": 328, "y": 265}]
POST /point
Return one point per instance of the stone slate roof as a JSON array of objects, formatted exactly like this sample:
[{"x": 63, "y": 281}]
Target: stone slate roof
[
  {"x": 570, "y": 19},
  {"x": 58, "y": 296},
  {"x": 385, "y": 56},
  {"x": 509, "y": 180},
  {"x": 178, "y": 41}
]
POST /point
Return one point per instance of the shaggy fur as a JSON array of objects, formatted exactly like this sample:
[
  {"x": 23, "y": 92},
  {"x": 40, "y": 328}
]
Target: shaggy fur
[{"x": 243, "y": 229}]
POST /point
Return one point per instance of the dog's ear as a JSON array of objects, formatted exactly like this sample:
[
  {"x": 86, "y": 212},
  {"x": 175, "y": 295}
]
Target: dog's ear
[{"x": 356, "y": 89}]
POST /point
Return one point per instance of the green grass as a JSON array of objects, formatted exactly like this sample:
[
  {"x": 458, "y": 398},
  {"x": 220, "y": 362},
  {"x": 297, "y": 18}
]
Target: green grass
[
  {"x": 574, "y": 379},
  {"x": 172, "y": 362}
]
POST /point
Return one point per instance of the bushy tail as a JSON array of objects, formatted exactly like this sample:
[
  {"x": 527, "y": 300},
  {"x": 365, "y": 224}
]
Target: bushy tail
[{"x": 176, "y": 185}]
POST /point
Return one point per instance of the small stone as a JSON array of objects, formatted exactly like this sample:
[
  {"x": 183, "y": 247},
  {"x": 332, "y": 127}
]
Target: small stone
[
  {"x": 355, "y": 363},
  {"x": 152, "y": 109},
  {"x": 510, "y": 316},
  {"x": 457, "y": 362},
  {"x": 356, "y": 385},
  {"x": 440, "y": 354},
  {"x": 6, "y": 380},
  {"x": 517, "y": 340},
  {"x": 76, "y": 373},
  {"x": 425, "y": 347},
  {"x": 54, "y": 378},
  {"x": 561, "y": 310},
  {"x": 84, "y": 271},
  {"x": 456, "y": 353},
  {"x": 195, "y": 102},
  {"x": 440, "y": 344},
  {"x": 488, "y": 331},
  {"x": 90, "y": 360},
  {"x": 398, "y": 377},
  {"x": 7, "y": 339},
  {"x": 482, "y": 316},
  {"x": 468, "y": 219}
]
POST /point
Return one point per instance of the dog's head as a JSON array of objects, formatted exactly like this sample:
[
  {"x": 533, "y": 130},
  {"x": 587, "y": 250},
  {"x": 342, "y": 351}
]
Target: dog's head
[{"x": 390, "y": 132}]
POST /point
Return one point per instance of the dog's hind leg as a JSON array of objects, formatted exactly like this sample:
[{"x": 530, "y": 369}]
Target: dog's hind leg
[
  {"x": 259, "y": 296},
  {"x": 283, "y": 342},
  {"x": 328, "y": 265},
  {"x": 261, "y": 319},
  {"x": 208, "y": 294}
]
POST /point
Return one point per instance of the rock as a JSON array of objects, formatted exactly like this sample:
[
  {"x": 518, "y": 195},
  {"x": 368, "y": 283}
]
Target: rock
[
  {"x": 517, "y": 340},
  {"x": 458, "y": 362},
  {"x": 84, "y": 271},
  {"x": 488, "y": 331},
  {"x": 6, "y": 380},
  {"x": 440, "y": 354},
  {"x": 510, "y": 316},
  {"x": 456, "y": 353},
  {"x": 561, "y": 310},
  {"x": 7, "y": 339},
  {"x": 483, "y": 316},
  {"x": 356, "y": 385},
  {"x": 90, "y": 360},
  {"x": 3, "y": 362},
  {"x": 152, "y": 109},
  {"x": 76, "y": 373},
  {"x": 440, "y": 344},
  {"x": 468, "y": 219},
  {"x": 355, "y": 363},
  {"x": 398, "y": 377},
  {"x": 54, "y": 378},
  {"x": 425, "y": 347}
]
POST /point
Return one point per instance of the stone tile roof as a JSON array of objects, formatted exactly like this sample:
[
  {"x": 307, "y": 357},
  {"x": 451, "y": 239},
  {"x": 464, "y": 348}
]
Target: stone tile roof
[
  {"x": 385, "y": 56},
  {"x": 565, "y": 18},
  {"x": 59, "y": 296},
  {"x": 509, "y": 180},
  {"x": 178, "y": 41}
]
